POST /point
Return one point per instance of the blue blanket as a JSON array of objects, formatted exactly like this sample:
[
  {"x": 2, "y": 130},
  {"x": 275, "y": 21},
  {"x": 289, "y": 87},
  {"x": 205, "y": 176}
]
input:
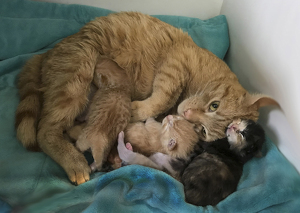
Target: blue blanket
[{"x": 33, "y": 182}]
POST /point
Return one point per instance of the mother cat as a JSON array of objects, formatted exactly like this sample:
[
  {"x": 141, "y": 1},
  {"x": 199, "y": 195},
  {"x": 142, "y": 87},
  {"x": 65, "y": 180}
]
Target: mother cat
[{"x": 167, "y": 70}]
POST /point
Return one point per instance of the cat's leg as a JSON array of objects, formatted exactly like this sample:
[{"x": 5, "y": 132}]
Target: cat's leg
[
  {"x": 167, "y": 87},
  {"x": 51, "y": 140},
  {"x": 131, "y": 157},
  {"x": 67, "y": 73}
]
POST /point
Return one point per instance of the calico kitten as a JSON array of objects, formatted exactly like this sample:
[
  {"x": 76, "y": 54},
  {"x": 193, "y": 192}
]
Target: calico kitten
[
  {"x": 215, "y": 173},
  {"x": 167, "y": 71},
  {"x": 213, "y": 170}
]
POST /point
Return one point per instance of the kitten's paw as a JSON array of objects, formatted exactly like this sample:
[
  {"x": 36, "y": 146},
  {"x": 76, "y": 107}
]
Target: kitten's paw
[
  {"x": 124, "y": 153},
  {"x": 140, "y": 111},
  {"x": 129, "y": 147}
]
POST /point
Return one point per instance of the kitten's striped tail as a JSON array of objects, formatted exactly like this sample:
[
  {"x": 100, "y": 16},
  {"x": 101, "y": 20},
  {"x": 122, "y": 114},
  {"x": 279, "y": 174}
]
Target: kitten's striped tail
[{"x": 28, "y": 111}]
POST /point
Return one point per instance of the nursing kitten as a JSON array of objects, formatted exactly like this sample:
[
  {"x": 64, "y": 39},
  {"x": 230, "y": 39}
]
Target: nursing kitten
[
  {"x": 168, "y": 73},
  {"x": 174, "y": 137},
  {"x": 109, "y": 110},
  {"x": 213, "y": 171}
]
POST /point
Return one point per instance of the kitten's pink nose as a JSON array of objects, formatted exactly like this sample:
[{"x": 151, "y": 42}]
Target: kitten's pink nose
[{"x": 232, "y": 127}]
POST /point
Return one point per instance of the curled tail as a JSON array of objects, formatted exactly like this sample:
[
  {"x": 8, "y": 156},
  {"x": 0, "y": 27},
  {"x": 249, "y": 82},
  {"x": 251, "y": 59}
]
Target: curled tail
[{"x": 28, "y": 111}]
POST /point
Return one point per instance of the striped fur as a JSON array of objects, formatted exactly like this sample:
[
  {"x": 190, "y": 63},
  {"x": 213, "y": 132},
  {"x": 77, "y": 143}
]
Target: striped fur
[{"x": 165, "y": 67}]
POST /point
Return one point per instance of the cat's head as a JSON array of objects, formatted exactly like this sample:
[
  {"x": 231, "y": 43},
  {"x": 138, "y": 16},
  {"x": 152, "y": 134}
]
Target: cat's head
[
  {"x": 246, "y": 138},
  {"x": 218, "y": 104},
  {"x": 178, "y": 136}
]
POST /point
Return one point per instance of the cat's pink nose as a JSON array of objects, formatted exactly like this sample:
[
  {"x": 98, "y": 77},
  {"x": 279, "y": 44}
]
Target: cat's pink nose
[{"x": 187, "y": 113}]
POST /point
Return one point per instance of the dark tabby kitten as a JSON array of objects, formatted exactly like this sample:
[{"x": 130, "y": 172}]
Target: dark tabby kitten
[
  {"x": 214, "y": 174},
  {"x": 215, "y": 168}
]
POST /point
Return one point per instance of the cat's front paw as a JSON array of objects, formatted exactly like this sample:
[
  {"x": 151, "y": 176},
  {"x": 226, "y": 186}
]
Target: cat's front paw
[
  {"x": 77, "y": 168},
  {"x": 140, "y": 111}
]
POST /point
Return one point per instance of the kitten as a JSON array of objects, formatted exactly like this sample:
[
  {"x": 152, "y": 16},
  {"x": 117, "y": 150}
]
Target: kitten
[
  {"x": 167, "y": 71},
  {"x": 175, "y": 137},
  {"x": 213, "y": 171},
  {"x": 108, "y": 113}
]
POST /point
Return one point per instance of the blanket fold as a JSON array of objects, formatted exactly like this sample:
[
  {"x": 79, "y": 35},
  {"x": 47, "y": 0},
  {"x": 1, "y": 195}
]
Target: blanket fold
[{"x": 33, "y": 182}]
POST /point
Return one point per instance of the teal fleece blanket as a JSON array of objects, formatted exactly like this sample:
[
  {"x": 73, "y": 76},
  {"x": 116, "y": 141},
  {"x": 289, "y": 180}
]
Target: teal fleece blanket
[{"x": 33, "y": 182}]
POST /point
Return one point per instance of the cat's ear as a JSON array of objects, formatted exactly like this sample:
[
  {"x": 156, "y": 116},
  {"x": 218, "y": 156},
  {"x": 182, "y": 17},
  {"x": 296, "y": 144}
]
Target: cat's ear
[
  {"x": 260, "y": 100},
  {"x": 172, "y": 144}
]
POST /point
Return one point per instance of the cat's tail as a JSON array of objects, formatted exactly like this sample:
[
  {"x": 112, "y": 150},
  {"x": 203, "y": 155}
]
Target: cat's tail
[{"x": 28, "y": 111}]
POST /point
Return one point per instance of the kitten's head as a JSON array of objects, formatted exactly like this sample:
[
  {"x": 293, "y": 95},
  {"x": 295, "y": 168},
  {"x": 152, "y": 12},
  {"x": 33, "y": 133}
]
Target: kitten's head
[
  {"x": 218, "y": 104},
  {"x": 178, "y": 136},
  {"x": 108, "y": 74},
  {"x": 245, "y": 137}
]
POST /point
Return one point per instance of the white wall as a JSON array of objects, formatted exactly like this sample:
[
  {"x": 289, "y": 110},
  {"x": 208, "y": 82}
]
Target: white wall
[
  {"x": 202, "y": 9},
  {"x": 265, "y": 55}
]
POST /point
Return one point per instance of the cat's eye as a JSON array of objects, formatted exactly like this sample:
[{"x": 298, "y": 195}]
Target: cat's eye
[{"x": 214, "y": 106}]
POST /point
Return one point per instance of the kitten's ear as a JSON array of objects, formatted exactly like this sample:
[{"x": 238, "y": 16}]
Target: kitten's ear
[
  {"x": 172, "y": 144},
  {"x": 260, "y": 100}
]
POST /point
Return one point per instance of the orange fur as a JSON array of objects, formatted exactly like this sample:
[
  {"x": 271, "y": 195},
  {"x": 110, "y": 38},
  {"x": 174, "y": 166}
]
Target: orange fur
[
  {"x": 164, "y": 66},
  {"x": 109, "y": 111},
  {"x": 152, "y": 136}
]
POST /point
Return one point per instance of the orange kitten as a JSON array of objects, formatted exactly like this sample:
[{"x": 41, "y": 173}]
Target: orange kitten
[
  {"x": 175, "y": 136},
  {"x": 109, "y": 111}
]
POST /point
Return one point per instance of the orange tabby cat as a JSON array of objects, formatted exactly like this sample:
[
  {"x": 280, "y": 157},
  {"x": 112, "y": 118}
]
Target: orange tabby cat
[{"x": 167, "y": 70}]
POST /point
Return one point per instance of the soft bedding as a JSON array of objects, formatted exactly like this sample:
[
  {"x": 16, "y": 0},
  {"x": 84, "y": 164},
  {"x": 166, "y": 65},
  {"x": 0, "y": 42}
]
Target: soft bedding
[{"x": 33, "y": 182}]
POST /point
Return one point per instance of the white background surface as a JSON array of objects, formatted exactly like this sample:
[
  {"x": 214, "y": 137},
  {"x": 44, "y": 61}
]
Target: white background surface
[
  {"x": 265, "y": 55},
  {"x": 264, "y": 52}
]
